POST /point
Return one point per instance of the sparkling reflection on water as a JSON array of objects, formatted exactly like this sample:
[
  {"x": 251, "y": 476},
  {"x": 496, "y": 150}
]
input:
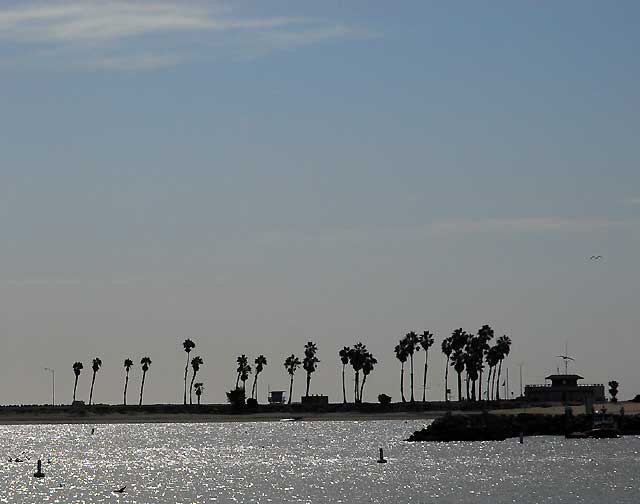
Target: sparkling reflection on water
[{"x": 309, "y": 462}]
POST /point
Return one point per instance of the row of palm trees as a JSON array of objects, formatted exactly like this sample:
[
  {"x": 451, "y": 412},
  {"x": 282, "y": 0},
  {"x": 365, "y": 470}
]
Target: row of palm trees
[{"x": 466, "y": 353}]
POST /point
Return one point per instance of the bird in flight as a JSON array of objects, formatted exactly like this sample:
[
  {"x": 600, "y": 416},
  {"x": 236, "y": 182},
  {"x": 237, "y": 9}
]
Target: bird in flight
[
  {"x": 595, "y": 257},
  {"x": 120, "y": 490}
]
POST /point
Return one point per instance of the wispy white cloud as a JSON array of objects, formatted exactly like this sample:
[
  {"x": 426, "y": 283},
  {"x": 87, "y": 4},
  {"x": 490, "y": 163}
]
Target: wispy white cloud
[{"x": 96, "y": 27}]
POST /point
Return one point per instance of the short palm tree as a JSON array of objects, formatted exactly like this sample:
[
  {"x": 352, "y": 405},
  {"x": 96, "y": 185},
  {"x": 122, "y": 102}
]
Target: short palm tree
[
  {"x": 188, "y": 345},
  {"x": 357, "y": 359},
  {"x": 127, "y": 366},
  {"x": 369, "y": 362},
  {"x": 95, "y": 366},
  {"x": 291, "y": 363},
  {"x": 196, "y": 362},
  {"x": 504, "y": 347},
  {"x": 426, "y": 342},
  {"x": 199, "y": 387},
  {"x": 243, "y": 363},
  {"x": 77, "y": 367},
  {"x": 344, "y": 358},
  {"x": 145, "y": 362},
  {"x": 310, "y": 362},
  {"x": 402, "y": 356},
  {"x": 446, "y": 349},
  {"x": 260, "y": 362}
]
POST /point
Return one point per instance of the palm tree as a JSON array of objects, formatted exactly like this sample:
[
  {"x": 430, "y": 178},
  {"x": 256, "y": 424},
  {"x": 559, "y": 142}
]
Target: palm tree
[
  {"x": 243, "y": 362},
  {"x": 77, "y": 367},
  {"x": 95, "y": 366},
  {"x": 504, "y": 347},
  {"x": 357, "y": 359},
  {"x": 291, "y": 364},
  {"x": 344, "y": 358},
  {"x": 244, "y": 376},
  {"x": 260, "y": 362},
  {"x": 310, "y": 362},
  {"x": 196, "y": 362},
  {"x": 199, "y": 388},
  {"x": 458, "y": 342},
  {"x": 492, "y": 358},
  {"x": 369, "y": 362},
  {"x": 426, "y": 341},
  {"x": 485, "y": 335},
  {"x": 446, "y": 349},
  {"x": 188, "y": 345},
  {"x": 411, "y": 345},
  {"x": 402, "y": 356},
  {"x": 127, "y": 366},
  {"x": 146, "y": 362}
]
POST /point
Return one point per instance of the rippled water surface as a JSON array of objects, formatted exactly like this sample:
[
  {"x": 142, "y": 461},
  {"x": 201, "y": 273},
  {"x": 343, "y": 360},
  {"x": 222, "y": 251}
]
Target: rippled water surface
[{"x": 315, "y": 462}]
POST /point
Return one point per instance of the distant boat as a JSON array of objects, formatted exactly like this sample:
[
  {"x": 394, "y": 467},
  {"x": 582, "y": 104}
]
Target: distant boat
[
  {"x": 604, "y": 426},
  {"x": 294, "y": 419}
]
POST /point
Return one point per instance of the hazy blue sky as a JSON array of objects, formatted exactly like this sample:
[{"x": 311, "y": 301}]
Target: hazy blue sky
[{"x": 254, "y": 175}]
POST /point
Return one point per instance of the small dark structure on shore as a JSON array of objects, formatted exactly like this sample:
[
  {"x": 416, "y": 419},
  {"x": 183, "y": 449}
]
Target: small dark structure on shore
[
  {"x": 315, "y": 400},
  {"x": 564, "y": 388},
  {"x": 276, "y": 397}
]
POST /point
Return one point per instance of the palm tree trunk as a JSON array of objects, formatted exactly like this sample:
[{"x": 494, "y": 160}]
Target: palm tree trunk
[
  {"x": 424, "y": 379},
  {"x": 446, "y": 381},
  {"x": 126, "y": 383},
  {"x": 467, "y": 385},
  {"x": 144, "y": 374},
  {"x": 93, "y": 380},
  {"x": 308, "y": 382},
  {"x": 355, "y": 388},
  {"x": 489, "y": 385},
  {"x": 473, "y": 391},
  {"x": 480, "y": 383},
  {"x": 364, "y": 379},
  {"x": 344, "y": 392},
  {"x": 186, "y": 371},
  {"x": 290, "y": 389},
  {"x": 402, "y": 382},
  {"x": 459, "y": 386},
  {"x": 237, "y": 380},
  {"x": 198, "y": 399},
  {"x": 193, "y": 378},
  {"x": 411, "y": 357},
  {"x": 498, "y": 388},
  {"x": 75, "y": 386},
  {"x": 253, "y": 388},
  {"x": 493, "y": 384}
]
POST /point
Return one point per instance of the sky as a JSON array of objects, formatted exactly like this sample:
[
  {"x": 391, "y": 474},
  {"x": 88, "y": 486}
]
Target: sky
[{"x": 255, "y": 175}]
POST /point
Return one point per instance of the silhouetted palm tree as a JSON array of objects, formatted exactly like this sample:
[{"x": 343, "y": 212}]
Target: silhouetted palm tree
[
  {"x": 145, "y": 362},
  {"x": 357, "y": 358},
  {"x": 426, "y": 341},
  {"x": 344, "y": 358},
  {"x": 77, "y": 367},
  {"x": 369, "y": 362},
  {"x": 458, "y": 343},
  {"x": 446, "y": 349},
  {"x": 188, "y": 345},
  {"x": 504, "y": 347},
  {"x": 485, "y": 335},
  {"x": 492, "y": 358},
  {"x": 95, "y": 366},
  {"x": 291, "y": 364},
  {"x": 196, "y": 362},
  {"x": 243, "y": 362},
  {"x": 260, "y": 362},
  {"x": 613, "y": 390},
  {"x": 411, "y": 344},
  {"x": 402, "y": 356},
  {"x": 199, "y": 388},
  {"x": 127, "y": 366},
  {"x": 310, "y": 362}
]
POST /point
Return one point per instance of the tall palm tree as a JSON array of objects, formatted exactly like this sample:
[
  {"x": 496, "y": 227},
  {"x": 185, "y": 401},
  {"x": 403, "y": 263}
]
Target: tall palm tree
[
  {"x": 369, "y": 362},
  {"x": 357, "y": 359},
  {"x": 127, "y": 366},
  {"x": 344, "y": 358},
  {"x": 426, "y": 342},
  {"x": 188, "y": 345},
  {"x": 244, "y": 376},
  {"x": 145, "y": 362},
  {"x": 504, "y": 347},
  {"x": 310, "y": 362},
  {"x": 260, "y": 362},
  {"x": 446, "y": 349},
  {"x": 492, "y": 358},
  {"x": 196, "y": 362},
  {"x": 95, "y": 366},
  {"x": 199, "y": 388},
  {"x": 291, "y": 363},
  {"x": 77, "y": 367},
  {"x": 458, "y": 342},
  {"x": 412, "y": 346},
  {"x": 485, "y": 335},
  {"x": 243, "y": 362},
  {"x": 402, "y": 356}
]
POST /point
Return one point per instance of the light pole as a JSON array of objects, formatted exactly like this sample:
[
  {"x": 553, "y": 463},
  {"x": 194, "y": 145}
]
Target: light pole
[{"x": 53, "y": 385}]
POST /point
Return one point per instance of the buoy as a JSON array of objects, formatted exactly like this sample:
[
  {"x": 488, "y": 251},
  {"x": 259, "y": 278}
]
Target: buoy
[
  {"x": 521, "y": 438},
  {"x": 382, "y": 460},
  {"x": 39, "y": 473}
]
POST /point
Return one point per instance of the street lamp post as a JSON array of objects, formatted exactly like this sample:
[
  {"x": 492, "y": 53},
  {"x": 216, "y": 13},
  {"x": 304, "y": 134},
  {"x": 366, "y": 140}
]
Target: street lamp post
[{"x": 53, "y": 385}]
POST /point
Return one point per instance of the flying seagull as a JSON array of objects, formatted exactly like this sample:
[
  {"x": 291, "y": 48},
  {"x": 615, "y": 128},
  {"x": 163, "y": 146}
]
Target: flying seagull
[
  {"x": 595, "y": 257},
  {"x": 120, "y": 490}
]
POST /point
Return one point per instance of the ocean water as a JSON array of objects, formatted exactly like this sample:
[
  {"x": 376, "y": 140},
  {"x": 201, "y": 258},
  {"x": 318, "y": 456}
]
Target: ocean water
[{"x": 308, "y": 462}]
